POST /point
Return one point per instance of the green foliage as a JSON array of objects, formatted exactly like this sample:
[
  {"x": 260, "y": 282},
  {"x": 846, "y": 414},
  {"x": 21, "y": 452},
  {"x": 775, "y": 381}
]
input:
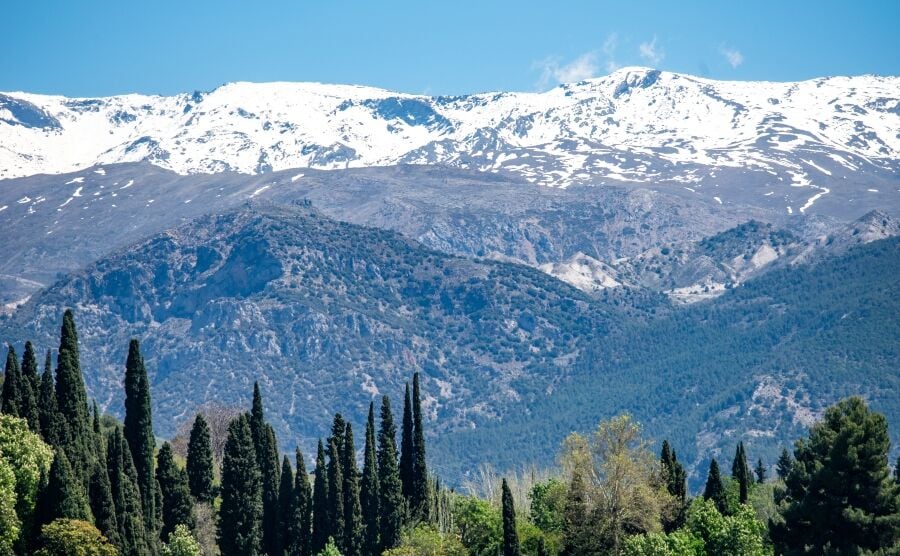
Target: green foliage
[
  {"x": 677, "y": 543},
  {"x": 69, "y": 537},
  {"x": 740, "y": 472},
  {"x": 181, "y": 543},
  {"x": 740, "y": 534},
  {"x": 11, "y": 397},
  {"x": 30, "y": 388},
  {"x": 200, "y": 461},
  {"x": 29, "y": 458},
  {"x": 392, "y": 506},
  {"x": 320, "y": 525},
  {"x": 548, "y": 504},
  {"x": 406, "y": 448},
  {"x": 480, "y": 525},
  {"x": 840, "y": 496},
  {"x": 126, "y": 495},
  {"x": 353, "y": 525},
  {"x": 103, "y": 507},
  {"x": 10, "y": 525},
  {"x": 287, "y": 509},
  {"x": 177, "y": 505},
  {"x": 426, "y": 540},
  {"x": 266, "y": 449},
  {"x": 240, "y": 513},
  {"x": 301, "y": 526},
  {"x": 510, "y": 534},
  {"x": 139, "y": 431},
  {"x": 48, "y": 411},
  {"x": 419, "y": 494},
  {"x": 330, "y": 549},
  {"x": 63, "y": 497},
  {"x": 715, "y": 488},
  {"x": 369, "y": 501},
  {"x": 75, "y": 436}
]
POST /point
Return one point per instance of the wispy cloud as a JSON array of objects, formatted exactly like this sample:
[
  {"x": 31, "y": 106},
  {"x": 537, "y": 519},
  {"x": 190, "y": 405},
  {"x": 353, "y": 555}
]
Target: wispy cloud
[
  {"x": 554, "y": 71},
  {"x": 734, "y": 57},
  {"x": 651, "y": 52},
  {"x": 609, "y": 51}
]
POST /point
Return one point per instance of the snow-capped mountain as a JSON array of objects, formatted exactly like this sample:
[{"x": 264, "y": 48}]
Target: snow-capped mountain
[{"x": 826, "y": 142}]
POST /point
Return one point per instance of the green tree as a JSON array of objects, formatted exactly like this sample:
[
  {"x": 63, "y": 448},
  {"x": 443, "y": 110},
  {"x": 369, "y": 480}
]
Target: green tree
[
  {"x": 266, "y": 448},
  {"x": 29, "y": 458},
  {"x": 480, "y": 525},
  {"x": 428, "y": 540},
  {"x": 11, "y": 399},
  {"x": 200, "y": 462},
  {"x": 740, "y": 472},
  {"x": 760, "y": 471},
  {"x": 30, "y": 388},
  {"x": 10, "y": 525},
  {"x": 840, "y": 497},
  {"x": 320, "y": 510},
  {"x": 548, "y": 505},
  {"x": 576, "y": 526},
  {"x": 68, "y": 537},
  {"x": 715, "y": 488},
  {"x": 335, "y": 493},
  {"x": 139, "y": 431},
  {"x": 392, "y": 511},
  {"x": 177, "y": 506},
  {"x": 181, "y": 543},
  {"x": 63, "y": 497},
  {"x": 785, "y": 462},
  {"x": 126, "y": 494},
  {"x": 287, "y": 509},
  {"x": 330, "y": 549},
  {"x": 676, "y": 543},
  {"x": 75, "y": 434},
  {"x": 741, "y": 534},
  {"x": 240, "y": 514},
  {"x": 302, "y": 524},
  {"x": 353, "y": 525},
  {"x": 48, "y": 411},
  {"x": 369, "y": 488},
  {"x": 406, "y": 448},
  {"x": 419, "y": 499},
  {"x": 510, "y": 535},
  {"x": 103, "y": 507},
  {"x": 675, "y": 478}
]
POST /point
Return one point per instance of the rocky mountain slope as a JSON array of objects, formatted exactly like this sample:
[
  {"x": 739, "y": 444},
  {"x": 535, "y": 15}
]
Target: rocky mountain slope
[{"x": 827, "y": 145}]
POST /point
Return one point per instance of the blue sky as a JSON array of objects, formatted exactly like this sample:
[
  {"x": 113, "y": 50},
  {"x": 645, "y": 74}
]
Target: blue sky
[{"x": 92, "y": 48}]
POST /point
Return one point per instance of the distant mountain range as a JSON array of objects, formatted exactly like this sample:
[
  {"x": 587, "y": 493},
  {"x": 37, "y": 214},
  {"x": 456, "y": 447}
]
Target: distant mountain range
[{"x": 828, "y": 145}]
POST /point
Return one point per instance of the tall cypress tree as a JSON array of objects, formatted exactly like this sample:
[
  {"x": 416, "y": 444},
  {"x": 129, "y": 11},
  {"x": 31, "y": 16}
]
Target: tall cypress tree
[
  {"x": 11, "y": 400},
  {"x": 102, "y": 505},
  {"x": 740, "y": 471},
  {"x": 320, "y": 510},
  {"x": 63, "y": 497},
  {"x": 577, "y": 539},
  {"x": 76, "y": 437},
  {"x": 302, "y": 536},
  {"x": 510, "y": 535},
  {"x": 30, "y": 387},
  {"x": 676, "y": 484},
  {"x": 287, "y": 509},
  {"x": 353, "y": 525},
  {"x": 715, "y": 488},
  {"x": 406, "y": 449},
  {"x": 785, "y": 462},
  {"x": 266, "y": 450},
  {"x": 48, "y": 412},
  {"x": 420, "y": 495},
  {"x": 392, "y": 508},
  {"x": 177, "y": 506},
  {"x": 139, "y": 431},
  {"x": 126, "y": 494},
  {"x": 240, "y": 514},
  {"x": 760, "y": 471},
  {"x": 369, "y": 489},
  {"x": 335, "y": 493},
  {"x": 200, "y": 461}
]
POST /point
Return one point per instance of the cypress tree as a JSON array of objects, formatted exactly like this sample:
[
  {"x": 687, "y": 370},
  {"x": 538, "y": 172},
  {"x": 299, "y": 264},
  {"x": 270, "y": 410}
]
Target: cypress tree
[
  {"x": 139, "y": 431},
  {"x": 715, "y": 489},
  {"x": 302, "y": 536},
  {"x": 30, "y": 388},
  {"x": 338, "y": 430},
  {"x": 392, "y": 511},
  {"x": 240, "y": 514},
  {"x": 266, "y": 449},
  {"x": 320, "y": 517},
  {"x": 577, "y": 537},
  {"x": 740, "y": 471},
  {"x": 126, "y": 495},
  {"x": 369, "y": 489},
  {"x": 406, "y": 449},
  {"x": 760, "y": 471},
  {"x": 287, "y": 509},
  {"x": 102, "y": 505},
  {"x": 510, "y": 535},
  {"x": 63, "y": 497},
  {"x": 48, "y": 413},
  {"x": 676, "y": 484},
  {"x": 71, "y": 400},
  {"x": 335, "y": 494},
  {"x": 11, "y": 400},
  {"x": 420, "y": 495},
  {"x": 200, "y": 461},
  {"x": 785, "y": 462},
  {"x": 353, "y": 525},
  {"x": 177, "y": 506}
]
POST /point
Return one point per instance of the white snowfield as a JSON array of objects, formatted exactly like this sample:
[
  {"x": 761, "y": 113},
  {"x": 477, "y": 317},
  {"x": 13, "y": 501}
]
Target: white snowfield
[{"x": 635, "y": 124}]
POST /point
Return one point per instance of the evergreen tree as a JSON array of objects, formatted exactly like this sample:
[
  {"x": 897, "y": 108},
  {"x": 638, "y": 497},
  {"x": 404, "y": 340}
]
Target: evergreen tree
[
  {"x": 897, "y": 471},
  {"x": 392, "y": 511},
  {"x": 102, "y": 505},
  {"x": 510, "y": 535},
  {"x": 576, "y": 526},
  {"x": 200, "y": 461},
  {"x": 177, "y": 506},
  {"x": 675, "y": 478},
  {"x": 11, "y": 400},
  {"x": 30, "y": 388},
  {"x": 302, "y": 536},
  {"x": 369, "y": 489},
  {"x": 266, "y": 450},
  {"x": 320, "y": 509},
  {"x": 740, "y": 472},
  {"x": 406, "y": 449},
  {"x": 63, "y": 497},
  {"x": 353, "y": 525},
  {"x": 126, "y": 495},
  {"x": 71, "y": 400},
  {"x": 335, "y": 494},
  {"x": 715, "y": 488},
  {"x": 139, "y": 432},
  {"x": 785, "y": 462},
  {"x": 287, "y": 509},
  {"x": 420, "y": 494},
  {"x": 240, "y": 514},
  {"x": 760, "y": 471},
  {"x": 48, "y": 413},
  {"x": 840, "y": 498}
]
